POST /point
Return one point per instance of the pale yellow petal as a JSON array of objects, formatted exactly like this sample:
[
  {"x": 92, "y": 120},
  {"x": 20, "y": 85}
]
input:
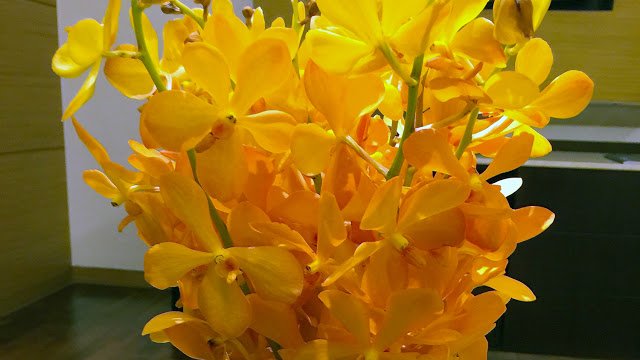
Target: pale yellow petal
[
  {"x": 63, "y": 65},
  {"x": 85, "y": 42}
]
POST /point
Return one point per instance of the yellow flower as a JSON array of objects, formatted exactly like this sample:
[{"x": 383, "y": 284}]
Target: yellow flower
[
  {"x": 517, "y": 20},
  {"x": 86, "y": 43}
]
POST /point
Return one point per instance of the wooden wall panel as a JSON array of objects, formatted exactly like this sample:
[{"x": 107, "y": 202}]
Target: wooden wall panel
[
  {"x": 34, "y": 245},
  {"x": 29, "y": 90}
]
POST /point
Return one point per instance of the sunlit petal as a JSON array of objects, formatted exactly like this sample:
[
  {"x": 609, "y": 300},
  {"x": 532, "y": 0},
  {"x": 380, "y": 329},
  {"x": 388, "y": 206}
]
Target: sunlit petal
[
  {"x": 511, "y": 287},
  {"x": 334, "y": 52},
  {"x": 510, "y": 156},
  {"x": 567, "y": 96},
  {"x": 535, "y": 60},
  {"x": 531, "y": 221}
]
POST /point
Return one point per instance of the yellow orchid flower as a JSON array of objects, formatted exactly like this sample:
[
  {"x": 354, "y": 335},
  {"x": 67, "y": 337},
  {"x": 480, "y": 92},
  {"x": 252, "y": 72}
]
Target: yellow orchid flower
[
  {"x": 517, "y": 20},
  {"x": 178, "y": 120},
  {"x": 273, "y": 273},
  {"x": 86, "y": 44}
]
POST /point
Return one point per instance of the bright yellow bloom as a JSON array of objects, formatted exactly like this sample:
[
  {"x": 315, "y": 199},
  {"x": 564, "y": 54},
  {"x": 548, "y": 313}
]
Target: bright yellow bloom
[{"x": 86, "y": 43}]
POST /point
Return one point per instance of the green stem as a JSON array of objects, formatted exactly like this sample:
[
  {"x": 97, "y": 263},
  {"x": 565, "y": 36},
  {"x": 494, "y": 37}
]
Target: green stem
[
  {"x": 410, "y": 117},
  {"x": 393, "y": 132},
  {"x": 365, "y": 155},
  {"x": 213, "y": 212},
  {"x": 154, "y": 73},
  {"x": 188, "y": 12},
  {"x": 275, "y": 347},
  {"x": 468, "y": 133},
  {"x": 396, "y": 66}
]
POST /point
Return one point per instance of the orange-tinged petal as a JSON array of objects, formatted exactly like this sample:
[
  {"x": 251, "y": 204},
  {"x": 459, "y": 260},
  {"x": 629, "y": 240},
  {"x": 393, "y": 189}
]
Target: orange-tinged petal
[
  {"x": 510, "y": 156},
  {"x": 362, "y": 253},
  {"x": 311, "y": 148},
  {"x": 229, "y": 35},
  {"x": 445, "y": 89},
  {"x": 541, "y": 146},
  {"x": 430, "y": 149},
  {"x": 63, "y": 65},
  {"x": 431, "y": 199},
  {"x": 511, "y": 287},
  {"x": 280, "y": 235},
  {"x": 191, "y": 339},
  {"x": 94, "y": 146},
  {"x": 336, "y": 53},
  {"x": 444, "y": 229},
  {"x": 178, "y": 120},
  {"x": 511, "y": 90},
  {"x": 110, "y": 22},
  {"x": 382, "y": 210},
  {"x": 342, "y": 100},
  {"x": 566, "y": 96},
  {"x": 121, "y": 177},
  {"x": 276, "y": 321},
  {"x": 166, "y": 263},
  {"x": 476, "y": 41},
  {"x": 391, "y": 106},
  {"x": 535, "y": 60},
  {"x": 129, "y": 76},
  {"x": 272, "y": 130},
  {"x": 101, "y": 184},
  {"x": 407, "y": 309},
  {"x": 189, "y": 203},
  {"x": 225, "y": 307},
  {"x": 262, "y": 69},
  {"x": 531, "y": 221},
  {"x": 386, "y": 273},
  {"x": 274, "y": 273},
  {"x": 207, "y": 66},
  {"x": 85, "y": 42},
  {"x": 341, "y": 13},
  {"x": 222, "y": 169},
  {"x": 84, "y": 94},
  {"x": 299, "y": 207},
  {"x": 240, "y": 221},
  {"x": 350, "y": 311},
  {"x": 331, "y": 229},
  {"x": 166, "y": 320}
]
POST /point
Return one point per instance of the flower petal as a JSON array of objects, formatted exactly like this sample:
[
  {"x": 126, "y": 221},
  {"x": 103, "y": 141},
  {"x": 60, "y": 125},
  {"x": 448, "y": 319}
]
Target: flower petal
[
  {"x": 350, "y": 311},
  {"x": 262, "y": 68},
  {"x": 535, "y": 60},
  {"x": 343, "y": 13},
  {"x": 431, "y": 199},
  {"x": 444, "y": 229},
  {"x": 407, "y": 309},
  {"x": 166, "y": 263},
  {"x": 63, "y": 65},
  {"x": 229, "y": 35},
  {"x": 84, "y": 94},
  {"x": 511, "y": 287},
  {"x": 382, "y": 211},
  {"x": 129, "y": 76},
  {"x": 174, "y": 34},
  {"x": 272, "y": 130},
  {"x": 431, "y": 150},
  {"x": 94, "y": 146},
  {"x": 178, "y": 120},
  {"x": 393, "y": 16},
  {"x": 225, "y": 307},
  {"x": 274, "y": 273},
  {"x": 511, "y": 155},
  {"x": 276, "y": 321},
  {"x": 476, "y": 41},
  {"x": 331, "y": 229},
  {"x": 222, "y": 169},
  {"x": 85, "y": 42},
  {"x": 101, "y": 184},
  {"x": 281, "y": 235},
  {"x": 511, "y": 90},
  {"x": 336, "y": 53},
  {"x": 311, "y": 148},
  {"x": 566, "y": 96},
  {"x": 189, "y": 203},
  {"x": 110, "y": 22},
  {"x": 207, "y": 66},
  {"x": 531, "y": 221},
  {"x": 362, "y": 253},
  {"x": 239, "y": 221},
  {"x": 541, "y": 146},
  {"x": 166, "y": 320}
]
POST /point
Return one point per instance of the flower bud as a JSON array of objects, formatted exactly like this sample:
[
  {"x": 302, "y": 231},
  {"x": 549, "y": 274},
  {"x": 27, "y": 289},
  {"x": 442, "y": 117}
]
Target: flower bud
[{"x": 513, "y": 20}]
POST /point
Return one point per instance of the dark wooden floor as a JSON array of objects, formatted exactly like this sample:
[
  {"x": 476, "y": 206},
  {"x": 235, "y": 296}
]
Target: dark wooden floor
[{"x": 86, "y": 322}]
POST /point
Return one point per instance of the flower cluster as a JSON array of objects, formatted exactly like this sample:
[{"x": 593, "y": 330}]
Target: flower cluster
[{"x": 313, "y": 190}]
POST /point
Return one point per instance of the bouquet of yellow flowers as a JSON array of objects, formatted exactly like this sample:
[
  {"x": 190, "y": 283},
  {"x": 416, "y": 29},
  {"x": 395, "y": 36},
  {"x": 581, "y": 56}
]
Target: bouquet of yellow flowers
[{"x": 312, "y": 189}]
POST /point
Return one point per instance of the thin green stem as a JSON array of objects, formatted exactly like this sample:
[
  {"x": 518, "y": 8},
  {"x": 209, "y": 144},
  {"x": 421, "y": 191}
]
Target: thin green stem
[
  {"x": 147, "y": 60},
  {"x": 410, "y": 117},
  {"x": 365, "y": 155},
  {"x": 213, "y": 212},
  {"x": 275, "y": 347},
  {"x": 393, "y": 61},
  {"x": 188, "y": 12},
  {"x": 468, "y": 133}
]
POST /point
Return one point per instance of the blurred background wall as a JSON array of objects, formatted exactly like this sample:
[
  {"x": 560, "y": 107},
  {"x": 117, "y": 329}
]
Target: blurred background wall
[{"x": 34, "y": 245}]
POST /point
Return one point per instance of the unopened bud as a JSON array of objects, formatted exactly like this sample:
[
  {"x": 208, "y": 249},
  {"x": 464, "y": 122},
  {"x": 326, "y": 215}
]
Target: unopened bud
[
  {"x": 513, "y": 20},
  {"x": 204, "y": 3},
  {"x": 247, "y": 12},
  {"x": 169, "y": 8},
  {"x": 193, "y": 37}
]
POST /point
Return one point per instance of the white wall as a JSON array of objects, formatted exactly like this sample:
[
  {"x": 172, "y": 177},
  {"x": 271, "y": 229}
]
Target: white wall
[{"x": 112, "y": 119}]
